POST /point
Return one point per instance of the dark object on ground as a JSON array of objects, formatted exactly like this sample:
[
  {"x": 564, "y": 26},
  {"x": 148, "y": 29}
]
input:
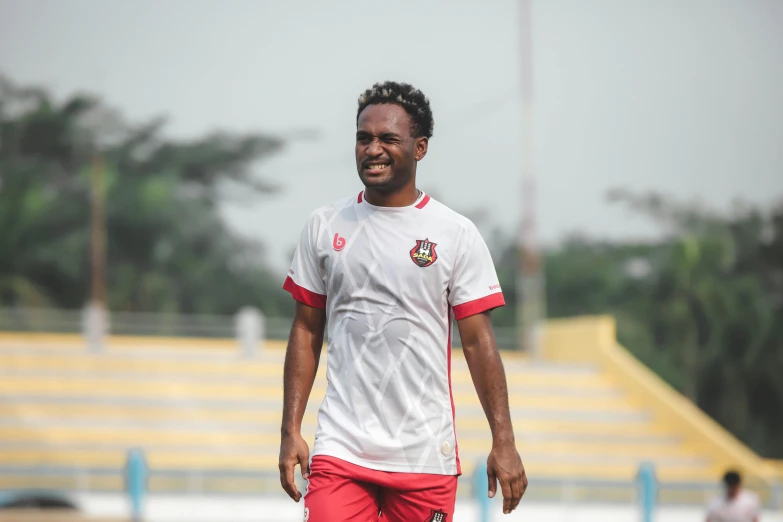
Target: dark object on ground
[{"x": 37, "y": 500}]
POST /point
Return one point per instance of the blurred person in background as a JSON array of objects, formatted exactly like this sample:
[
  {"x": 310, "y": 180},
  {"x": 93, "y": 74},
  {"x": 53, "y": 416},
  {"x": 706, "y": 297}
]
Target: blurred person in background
[
  {"x": 736, "y": 504},
  {"x": 387, "y": 267}
]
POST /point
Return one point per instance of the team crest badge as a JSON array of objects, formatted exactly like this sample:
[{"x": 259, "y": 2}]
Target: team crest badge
[
  {"x": 437, "y": 516},
  {"x": 423, "y": 254}
]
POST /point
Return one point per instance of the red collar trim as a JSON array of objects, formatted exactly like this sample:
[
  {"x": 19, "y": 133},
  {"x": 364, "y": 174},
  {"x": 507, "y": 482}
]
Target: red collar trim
[
  {"x": 420, "y": 205},
  {"x": 424, "y": 201}
]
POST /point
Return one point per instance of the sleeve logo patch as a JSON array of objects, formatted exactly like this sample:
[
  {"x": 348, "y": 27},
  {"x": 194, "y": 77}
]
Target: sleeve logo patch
[{"x": 423, "y": 254}]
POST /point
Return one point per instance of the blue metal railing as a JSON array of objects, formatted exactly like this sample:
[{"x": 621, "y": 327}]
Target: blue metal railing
[{"x": 646, "y": 487}]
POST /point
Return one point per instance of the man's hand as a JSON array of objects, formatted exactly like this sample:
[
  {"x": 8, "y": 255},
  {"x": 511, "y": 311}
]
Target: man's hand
[
  {"x": 301, "y": 365},
  {"x": 293, "y": 451},
  {"x": 486, "y": 369},
  {"x": 505, "y": 465}
]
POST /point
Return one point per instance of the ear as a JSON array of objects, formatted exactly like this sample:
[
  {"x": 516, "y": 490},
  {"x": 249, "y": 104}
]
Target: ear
[{"x": 420, "y": 148}]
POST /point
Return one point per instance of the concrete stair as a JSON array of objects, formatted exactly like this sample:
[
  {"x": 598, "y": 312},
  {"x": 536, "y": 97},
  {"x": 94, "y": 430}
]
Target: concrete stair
[{"x": 208, "y": 410}]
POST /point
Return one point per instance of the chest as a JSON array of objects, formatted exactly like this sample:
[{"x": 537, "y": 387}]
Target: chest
[
  {"x": 735, "y": 511},
  {"x": 389, "y": 253}
]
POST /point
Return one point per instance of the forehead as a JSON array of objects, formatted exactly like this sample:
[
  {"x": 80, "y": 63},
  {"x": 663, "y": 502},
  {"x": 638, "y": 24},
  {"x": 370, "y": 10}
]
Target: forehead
[{"x": 384, "y": 118}]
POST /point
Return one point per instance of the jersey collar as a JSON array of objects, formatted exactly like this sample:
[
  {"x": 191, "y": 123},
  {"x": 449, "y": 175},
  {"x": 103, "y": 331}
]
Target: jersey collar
[{"x": 420, "y": 202}]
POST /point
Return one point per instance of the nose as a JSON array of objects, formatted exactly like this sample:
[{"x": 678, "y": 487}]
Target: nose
[{"x": 374, "y": 149}]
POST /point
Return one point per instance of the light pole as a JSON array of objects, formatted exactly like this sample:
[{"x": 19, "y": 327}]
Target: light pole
[
  {"x": 530, "y": 283},
  {"x": 98, "y": 232}
]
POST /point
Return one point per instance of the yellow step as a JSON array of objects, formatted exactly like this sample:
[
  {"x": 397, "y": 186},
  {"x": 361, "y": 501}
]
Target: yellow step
[
  {"x": 581, "y": 449},
  {"x": 268, "y": 462},
  {"x": 25, "y": 480},
  {"x": 172, "y": 414},
  {"x": 143, "y": 413},
  {"x": 612, "y": 404},
  {"x": 196, "y": 441},
  {"x": 228, "y": 365},
  {"x": 147, "y": 390},
  {"x": 228, "y": 390},
  {"x": 54, "y": 515},
  {"x": 142, "y": 366}
]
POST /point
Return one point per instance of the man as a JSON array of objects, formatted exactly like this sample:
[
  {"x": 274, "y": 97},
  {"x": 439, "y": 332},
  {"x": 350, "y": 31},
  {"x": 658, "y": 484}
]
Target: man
[
  {"x": 385, "y": 269},
  {"x": 736, "y": 504}
]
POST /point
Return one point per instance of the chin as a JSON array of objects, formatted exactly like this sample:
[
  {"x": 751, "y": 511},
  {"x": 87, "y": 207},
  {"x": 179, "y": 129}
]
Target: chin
[{"x": 375, "y": 183}]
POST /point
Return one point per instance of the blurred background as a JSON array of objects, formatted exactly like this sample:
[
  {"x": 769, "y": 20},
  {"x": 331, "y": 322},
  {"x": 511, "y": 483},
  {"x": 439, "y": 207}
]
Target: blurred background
[{"x": 623, "y": 160}]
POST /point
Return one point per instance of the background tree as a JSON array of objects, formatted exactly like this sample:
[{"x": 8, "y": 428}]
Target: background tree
[
  {"x": 702, "y": 306},
  {"x": 168, "y": 248}
]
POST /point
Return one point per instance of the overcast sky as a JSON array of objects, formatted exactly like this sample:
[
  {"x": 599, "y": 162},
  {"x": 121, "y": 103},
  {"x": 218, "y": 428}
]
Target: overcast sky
[{"x": 679, "y": 96}]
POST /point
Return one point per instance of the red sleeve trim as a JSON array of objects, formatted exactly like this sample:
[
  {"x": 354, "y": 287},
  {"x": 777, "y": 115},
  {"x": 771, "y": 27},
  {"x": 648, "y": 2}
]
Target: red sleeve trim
[
  {"x": 477, "y": 306},
  {"x": 424, "y": 201},
  {"x": 303, "y": 295}
]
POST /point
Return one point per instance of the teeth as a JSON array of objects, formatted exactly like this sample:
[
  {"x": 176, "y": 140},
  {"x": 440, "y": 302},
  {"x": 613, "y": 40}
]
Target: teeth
[{"x": 378, "y": 166}]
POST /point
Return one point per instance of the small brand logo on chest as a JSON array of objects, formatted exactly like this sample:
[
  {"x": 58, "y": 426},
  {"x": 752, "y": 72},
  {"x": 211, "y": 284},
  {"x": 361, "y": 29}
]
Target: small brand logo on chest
[
  {"x": 338, "y": 243},
  {"x": 424, "y": 254}
]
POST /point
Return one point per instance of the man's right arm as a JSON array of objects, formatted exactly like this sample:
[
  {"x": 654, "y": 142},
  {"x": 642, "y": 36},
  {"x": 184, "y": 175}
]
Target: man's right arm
[{"x": 301, "y": 364}]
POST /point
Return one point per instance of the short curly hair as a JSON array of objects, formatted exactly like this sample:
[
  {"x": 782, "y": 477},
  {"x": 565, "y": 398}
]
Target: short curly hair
[{"x": 406, "y": 96}]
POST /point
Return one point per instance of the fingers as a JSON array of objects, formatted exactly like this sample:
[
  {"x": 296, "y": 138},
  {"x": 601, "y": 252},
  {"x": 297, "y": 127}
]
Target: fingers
[
  {"x": 513, "y": 488},
  {"x": 505, "y": 488},
  {"x": 304, "y": 464},
  {"x": 516, "y": 494},
  {"x": 493, "y": 483},
  {"x": 287, "y": 480}
]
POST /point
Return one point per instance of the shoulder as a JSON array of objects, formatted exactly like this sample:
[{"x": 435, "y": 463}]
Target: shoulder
[
  {"x": 714, "y": 504},
  {"x": 437, "y": 210},
  {"x": 324, "y": 212},
  {"x": 750, "y": 497}
]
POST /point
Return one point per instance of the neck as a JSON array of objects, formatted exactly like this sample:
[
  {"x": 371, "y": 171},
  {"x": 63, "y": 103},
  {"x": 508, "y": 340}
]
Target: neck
[{"x": 402, "y": 197}]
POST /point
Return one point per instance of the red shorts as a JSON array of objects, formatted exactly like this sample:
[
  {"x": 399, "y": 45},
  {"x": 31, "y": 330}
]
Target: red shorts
[{"x": 342, "y": 492}]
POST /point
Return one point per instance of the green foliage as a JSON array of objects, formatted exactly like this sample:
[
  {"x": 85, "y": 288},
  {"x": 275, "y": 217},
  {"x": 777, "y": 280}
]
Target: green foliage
[
  {"x": 167, "y": 249},
  {"x": 702, "y": 307}
]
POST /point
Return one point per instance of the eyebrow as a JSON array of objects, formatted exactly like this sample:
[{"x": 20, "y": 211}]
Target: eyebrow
[{"x": 363, "y": 133}]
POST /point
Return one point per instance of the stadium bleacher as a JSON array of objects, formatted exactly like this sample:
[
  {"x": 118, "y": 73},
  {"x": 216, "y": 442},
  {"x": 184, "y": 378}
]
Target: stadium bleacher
[{"x": 209, "y": 418}]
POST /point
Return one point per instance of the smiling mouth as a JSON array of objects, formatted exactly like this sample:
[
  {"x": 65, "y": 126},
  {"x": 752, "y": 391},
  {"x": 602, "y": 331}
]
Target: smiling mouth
[{"x": 376, "y": 167}]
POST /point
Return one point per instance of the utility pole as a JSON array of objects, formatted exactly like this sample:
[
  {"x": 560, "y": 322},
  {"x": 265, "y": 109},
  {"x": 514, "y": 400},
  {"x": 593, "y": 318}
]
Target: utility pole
[
  {"x": 530, "y": 282},
  {"x": 95, "y": 324},
  {"x": 98, "y": 232}
]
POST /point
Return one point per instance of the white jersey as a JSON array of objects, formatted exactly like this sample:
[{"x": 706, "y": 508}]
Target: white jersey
[
  {"x": 745, "y": 507},
  {"x": 390, "y": 279}
]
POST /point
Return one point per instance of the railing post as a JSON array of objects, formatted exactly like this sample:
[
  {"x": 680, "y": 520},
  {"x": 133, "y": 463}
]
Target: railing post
[
  {"x": 82, "y": 480},
  {"x": 481, "y": 490},
  {"x": 136, "y": 476},
  {"x": 95, "y": 326},
  {"x": 647, "y": 488},
  {"x": 195, "y": 483},
  {"x": 250, "y": 332},
  {"x": 777, "y": 494}
]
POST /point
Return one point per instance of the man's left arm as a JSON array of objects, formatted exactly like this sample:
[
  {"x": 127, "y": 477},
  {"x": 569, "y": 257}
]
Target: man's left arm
[{"x": 486, "y": 369}]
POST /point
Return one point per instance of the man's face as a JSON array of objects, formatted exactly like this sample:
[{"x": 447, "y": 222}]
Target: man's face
[
  {"x": 386, "y": 154},
  {"x": 732, "y": 491}
]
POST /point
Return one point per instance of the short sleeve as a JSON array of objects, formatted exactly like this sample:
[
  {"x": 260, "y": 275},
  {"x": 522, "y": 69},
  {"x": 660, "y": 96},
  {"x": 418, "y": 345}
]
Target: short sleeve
[
  {"x": 755, "y": 505},
  {"x": 474, "y": 286},
  {"x": 305, "y": 281},
  {"x": 712, "y": 508}
]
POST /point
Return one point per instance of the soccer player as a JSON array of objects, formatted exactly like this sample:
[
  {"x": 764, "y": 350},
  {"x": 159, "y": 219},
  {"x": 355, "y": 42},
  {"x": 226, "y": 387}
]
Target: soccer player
[
  {"x": 736, "y": 504},
  {"x": 385, "y": 269}
]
